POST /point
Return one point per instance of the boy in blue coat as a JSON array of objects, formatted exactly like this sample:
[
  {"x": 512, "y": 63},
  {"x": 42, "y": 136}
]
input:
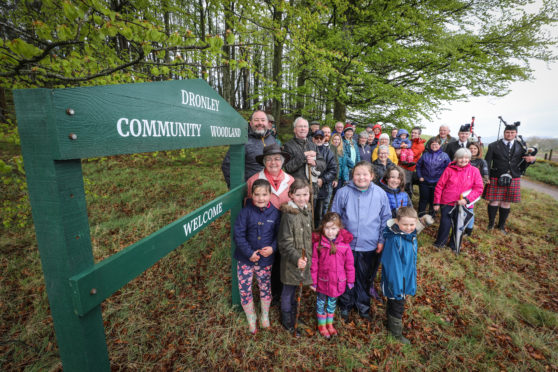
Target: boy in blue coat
[{"x": 399, "y": 266}]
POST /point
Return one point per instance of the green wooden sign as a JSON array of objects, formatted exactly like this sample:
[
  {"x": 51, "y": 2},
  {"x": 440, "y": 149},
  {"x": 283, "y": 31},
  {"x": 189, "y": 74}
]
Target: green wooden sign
[
  {"x": 132, "y": 118},
  {"x": 58, "y": 128}
]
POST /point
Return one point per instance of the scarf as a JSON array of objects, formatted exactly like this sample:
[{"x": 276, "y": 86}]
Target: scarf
[{"x": 274, "y": 181}]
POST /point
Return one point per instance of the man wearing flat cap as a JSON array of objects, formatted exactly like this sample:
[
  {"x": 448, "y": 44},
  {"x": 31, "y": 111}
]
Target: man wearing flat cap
[
  {"x": 462, "y": 142},
  {"x": 507, "y": 159},
  {"x": 314, "y": 127}
]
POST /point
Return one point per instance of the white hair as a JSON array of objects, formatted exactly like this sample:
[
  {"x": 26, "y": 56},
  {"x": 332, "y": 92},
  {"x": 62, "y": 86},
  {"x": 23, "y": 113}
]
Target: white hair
[
  {"x": 384, "y": 135},
  {"x": 462, "y": 153},
  {"x": 363, "y": 134},
  {"x": 297, "y": 120},
  {"x": 445, "y": 126},
  {"x": 383, "y": 147}
]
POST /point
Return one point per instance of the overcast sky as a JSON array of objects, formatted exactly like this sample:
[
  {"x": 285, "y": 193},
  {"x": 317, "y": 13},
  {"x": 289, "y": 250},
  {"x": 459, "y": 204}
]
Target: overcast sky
[{"x": 533, "y": 103}]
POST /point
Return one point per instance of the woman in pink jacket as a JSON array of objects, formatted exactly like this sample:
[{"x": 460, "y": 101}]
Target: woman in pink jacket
[
  {"x": 332, "y": 269},
  {"x": 458, "y": 178}
]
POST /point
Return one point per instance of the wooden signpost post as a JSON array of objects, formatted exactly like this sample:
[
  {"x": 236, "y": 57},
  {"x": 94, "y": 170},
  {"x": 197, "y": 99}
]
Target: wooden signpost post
[{"x": 58, "y": 128}]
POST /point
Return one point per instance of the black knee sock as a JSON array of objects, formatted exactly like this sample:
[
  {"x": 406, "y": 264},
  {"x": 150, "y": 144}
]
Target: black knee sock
[
  {"x": 492, "y": 210},
  {"x": 504, "y": 212}
]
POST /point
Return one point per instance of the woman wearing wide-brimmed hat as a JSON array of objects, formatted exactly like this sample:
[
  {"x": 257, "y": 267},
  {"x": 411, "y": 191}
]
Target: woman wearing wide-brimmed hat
[{"x": 273, "y": 159}]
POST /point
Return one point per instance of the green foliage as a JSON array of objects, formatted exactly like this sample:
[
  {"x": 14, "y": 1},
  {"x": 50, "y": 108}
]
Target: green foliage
[
  {"x": 92, "y": 42},
  {"x": 389, "y": 61},
  {"x": 395, "y": 61},
  {"x": 543, "y": 171}
]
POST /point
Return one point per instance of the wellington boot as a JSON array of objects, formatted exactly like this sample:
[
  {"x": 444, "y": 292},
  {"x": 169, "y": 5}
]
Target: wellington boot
[
  {"x": 322, "y": 319},
  {"x": 264, "y": 319},
  {"x": 395, "y": 327},
  {"x": 329, "y": 325},
  {"x": 251, "y": 317},
  {"x": 286, "y": 321}
]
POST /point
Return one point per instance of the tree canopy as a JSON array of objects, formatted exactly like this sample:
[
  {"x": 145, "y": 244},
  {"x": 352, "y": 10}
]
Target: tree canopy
[{"x": 376, "y": 60}]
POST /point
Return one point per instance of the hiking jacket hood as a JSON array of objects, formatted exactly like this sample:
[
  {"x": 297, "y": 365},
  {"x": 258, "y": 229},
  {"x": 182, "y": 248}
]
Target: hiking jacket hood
[
  {"x": 364, "y": 214},
  {"x": 332, "y": 272},
  {"x": 399, "y": 262}
]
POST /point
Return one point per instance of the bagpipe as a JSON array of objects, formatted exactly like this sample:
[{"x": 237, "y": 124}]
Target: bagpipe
[{"x": 528, "y": 150}]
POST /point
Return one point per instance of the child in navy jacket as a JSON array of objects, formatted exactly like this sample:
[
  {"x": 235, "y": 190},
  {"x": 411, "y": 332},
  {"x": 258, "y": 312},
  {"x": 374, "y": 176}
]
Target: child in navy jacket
[{"x": 255, "y": 235}]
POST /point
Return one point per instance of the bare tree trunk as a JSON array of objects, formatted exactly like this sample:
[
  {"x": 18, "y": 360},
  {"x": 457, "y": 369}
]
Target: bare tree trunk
[
  {"x": 277, "y": 65},
  {"x": 228, "y": 78},
  {"x": 300, "y": 83},
  {"x": 339, "y": 111}
]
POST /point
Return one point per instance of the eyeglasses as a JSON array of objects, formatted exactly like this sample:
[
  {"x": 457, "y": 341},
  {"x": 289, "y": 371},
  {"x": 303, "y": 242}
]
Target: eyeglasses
[{"x": 274, "y": 158}]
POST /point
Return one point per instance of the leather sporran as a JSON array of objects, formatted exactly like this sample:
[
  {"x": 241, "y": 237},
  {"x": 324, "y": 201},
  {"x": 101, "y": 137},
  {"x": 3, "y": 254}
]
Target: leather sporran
[{"x": 505, "y": 180}]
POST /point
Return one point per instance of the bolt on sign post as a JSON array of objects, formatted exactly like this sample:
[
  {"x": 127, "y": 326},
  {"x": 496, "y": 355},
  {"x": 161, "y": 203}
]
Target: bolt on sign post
[{"x": 58, "y": 128}]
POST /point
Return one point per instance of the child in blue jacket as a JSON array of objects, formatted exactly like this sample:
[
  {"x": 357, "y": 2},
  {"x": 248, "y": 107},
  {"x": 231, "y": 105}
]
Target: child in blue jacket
[
  {"x": 364, "y": 210},
  {"x": 399, "y": 267},
  {"x": 255, "y": 235},
  {"x": 393, "y": 183}
]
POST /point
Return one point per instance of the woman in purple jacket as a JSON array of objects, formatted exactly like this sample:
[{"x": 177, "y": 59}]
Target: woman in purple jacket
[{"x": 430, "y": 167}]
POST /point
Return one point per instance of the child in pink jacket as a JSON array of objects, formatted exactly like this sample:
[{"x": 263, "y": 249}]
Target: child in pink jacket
[
  {"x": 458, "y": 178},
  {"x": 332, "y": 269}
]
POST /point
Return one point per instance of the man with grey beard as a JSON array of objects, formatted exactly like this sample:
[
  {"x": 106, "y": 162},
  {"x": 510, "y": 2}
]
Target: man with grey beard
[{"x": 259, "y": 136}]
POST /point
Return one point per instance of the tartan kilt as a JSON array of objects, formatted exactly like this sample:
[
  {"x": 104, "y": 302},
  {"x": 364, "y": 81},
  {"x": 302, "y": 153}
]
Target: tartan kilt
[{"x": 509, "y": 194}]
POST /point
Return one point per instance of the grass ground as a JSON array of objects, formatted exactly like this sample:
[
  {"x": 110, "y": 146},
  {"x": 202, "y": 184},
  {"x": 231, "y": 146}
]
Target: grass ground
[
  {"x": 494, "y": 307},
  {"x": 544, "y": 171}
]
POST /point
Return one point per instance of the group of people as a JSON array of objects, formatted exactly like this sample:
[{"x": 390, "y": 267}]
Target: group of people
[{"x": 289, "y": 236}]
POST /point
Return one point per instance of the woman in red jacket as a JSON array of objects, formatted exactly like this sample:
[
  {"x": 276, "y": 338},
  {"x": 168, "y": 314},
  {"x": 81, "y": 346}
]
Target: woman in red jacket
[{"x": 460, "y": 176}]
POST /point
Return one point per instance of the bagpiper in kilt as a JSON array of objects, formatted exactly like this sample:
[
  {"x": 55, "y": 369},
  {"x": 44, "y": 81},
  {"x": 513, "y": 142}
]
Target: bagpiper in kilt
[{"x": 505, "y": 161}]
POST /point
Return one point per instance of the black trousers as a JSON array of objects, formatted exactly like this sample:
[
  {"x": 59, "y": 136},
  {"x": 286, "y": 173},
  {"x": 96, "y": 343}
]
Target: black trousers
[
  {"x": 395, "y": 308},
  {"x": 359, "y": 296},
  {"x": 426, "y": 196},
  {"x": 445, "y": 227},
  {"x": 376, "y": 266},
  {"x": 276, "y": 285}
]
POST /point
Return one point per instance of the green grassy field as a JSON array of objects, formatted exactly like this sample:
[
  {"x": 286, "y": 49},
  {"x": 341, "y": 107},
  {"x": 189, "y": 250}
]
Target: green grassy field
[
  {"x": 494, "y": 307},
  {"x": 544, "y": 171}
]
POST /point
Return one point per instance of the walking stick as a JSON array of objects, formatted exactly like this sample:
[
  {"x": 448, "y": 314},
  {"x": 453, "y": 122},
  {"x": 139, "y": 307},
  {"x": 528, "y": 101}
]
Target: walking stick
[
  {"x": 299, "y": 295},
  {"x": 309, "y": 167},
  {"x": 304, "y": 253}
]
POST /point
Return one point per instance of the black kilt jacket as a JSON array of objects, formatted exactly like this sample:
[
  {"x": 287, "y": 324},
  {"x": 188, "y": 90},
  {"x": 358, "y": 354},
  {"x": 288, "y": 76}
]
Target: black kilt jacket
[{"x": 500, "y": 160}]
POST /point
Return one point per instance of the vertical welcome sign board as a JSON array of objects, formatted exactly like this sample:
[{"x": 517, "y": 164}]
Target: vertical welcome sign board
[{"x": 58, "y": 128}]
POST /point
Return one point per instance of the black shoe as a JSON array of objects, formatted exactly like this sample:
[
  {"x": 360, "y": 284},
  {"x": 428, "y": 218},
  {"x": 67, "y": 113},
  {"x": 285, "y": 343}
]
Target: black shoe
[
  {"x": 490, "y": 227},
  {"x": 286, "y": 321},
  {"x": 365, "y": 316},
  {"x": 344, "y": 314}
]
